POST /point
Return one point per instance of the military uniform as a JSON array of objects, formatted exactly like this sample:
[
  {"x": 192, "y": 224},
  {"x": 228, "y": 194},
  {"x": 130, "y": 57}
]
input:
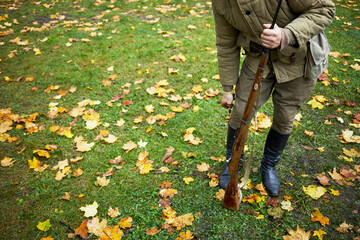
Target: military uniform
[{"x": 239, "y": 24}]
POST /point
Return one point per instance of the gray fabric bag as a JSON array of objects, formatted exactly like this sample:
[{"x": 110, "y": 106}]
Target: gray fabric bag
[{"x": 317, "y": 56}]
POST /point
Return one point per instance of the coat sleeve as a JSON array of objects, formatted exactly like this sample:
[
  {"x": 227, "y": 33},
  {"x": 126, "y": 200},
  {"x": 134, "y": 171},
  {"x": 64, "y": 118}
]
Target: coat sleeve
[
  {"x": 314, "y": 17},
  {"x": 228, "y": 53}
]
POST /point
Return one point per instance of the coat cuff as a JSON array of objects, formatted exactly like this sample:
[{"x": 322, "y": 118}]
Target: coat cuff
[{"x": 227, "y": 88}]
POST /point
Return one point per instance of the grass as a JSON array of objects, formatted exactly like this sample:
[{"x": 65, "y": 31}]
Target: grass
[{"x": 139, "y": 51}]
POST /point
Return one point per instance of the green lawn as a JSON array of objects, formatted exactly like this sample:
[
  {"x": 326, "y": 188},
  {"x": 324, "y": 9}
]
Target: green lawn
[{"x": 133, "y": 79}]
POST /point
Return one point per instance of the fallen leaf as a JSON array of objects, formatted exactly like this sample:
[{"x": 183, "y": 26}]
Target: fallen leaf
[
  {"x": 299, "y": 234},
  {"x": 44, "y": 226},
  {"x": 319, "y": 233},
  {"x": 90, "y": 210},
  {"x": 153, "y": 231},
  {"x": 7, "y": 162},
  {"x": 113, "y": 212},
  {"x": 314, "y": 191},
  {"x": 82, "y": 230},
  {"x": 344, "y": 227},
  {"x": 203, "y": 167},
  {"x": 317, "y": 216},
  {"x": 96, "y": 227},
  {"x": 126, "y": 222},
  {"x": 187, "y": 180},
  {"x": 187, "y": 235}
]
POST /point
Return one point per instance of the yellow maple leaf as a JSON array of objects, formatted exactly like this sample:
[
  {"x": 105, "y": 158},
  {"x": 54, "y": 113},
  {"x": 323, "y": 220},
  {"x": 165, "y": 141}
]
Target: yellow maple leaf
[
  {"x": 177, "y": 108},
  {"x": 319, "y": 233},
  {"x": 286, "y": 205},
  {"x": 334, "y": 192},
  {"x": 187, "y": 180},
  {"x": 62, "y": 173},
  {"x": 113, "y": 212},
  {"x": 113, "y": 232},
  {"x": 314, "y": 191},
  {"x": 299, "y": 234},
  {"x": 315, "y": 104},
  {"x": 83, "y": 146},
  {"x": 47, "y": 238},
  {"x": 197, "y": 89},
  {"x": 35, "y": 163},
  {"x": 42, "y": 153},
  {"x": 126, "y": 222},
  {"x": 44, "y": 226},
  {"x": 187, "y": 235},
  {"x": 146, "y": 168},
  {"x": 214, "y": 182},
  {"x": 168, "y": 192}
]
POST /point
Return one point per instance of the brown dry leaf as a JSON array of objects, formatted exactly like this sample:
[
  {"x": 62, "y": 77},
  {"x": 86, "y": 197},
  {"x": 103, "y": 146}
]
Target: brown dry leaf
[
  {"x": 66, "y": 196},
  {"x": 113, "y": 212},
  {"x": 165, "y": 185},
  {"x": 203, "y": 167},
  {"x": 164, "y": 202},
  {"x": 168, "y": 153},
  {"x": 153, "y": 231},
  {"x": 344, "y": 227},
  {"x": 299, "y": 234},
  {"x": 317, "y": 216},
  {"x": 323, "y": 179},
  {"x": 272, "y": 202},
  {"x": 82, "y": 230},
  {"x": 337, "y": 177}
]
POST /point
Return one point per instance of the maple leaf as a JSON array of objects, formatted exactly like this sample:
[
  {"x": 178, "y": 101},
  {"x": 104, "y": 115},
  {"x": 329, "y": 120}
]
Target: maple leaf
[
  {"x": 317, "y": 216},
  {"x": 187, "y": 235},
  {"x": 66, "y": 196},
  {"x": 181, "y": 221},
  {"x": 96, "y": 227},
  {"x": 272, "y": 202},
  {"x": 323, "y": 179},
  {"x": 126, "y": 222},
  {"x": 165, "y": 185},
  {"x": 129, "y": 146},
  {"x": 214, "y": 182},
  {"x": 203, "y": 167},
  {"x": 113, "y": 212},
  {"x": 319, "y": 233},
  {"x": 62, "y": 173},
  {"x": 187, "y": 180},
  {"x": 35, "y": 163},
  {"x": 113, "y": 233},
  {"x": 344, "y": 227},
  {"x": 90, "y": 210},
  {"x": 286, "y": 205},
  {"x": 168, "y": 192},
  {"x": 153, "y": 231},
  {"x": 314, "y": 191},
  {"x": 42, "y": 153},
  {"x": 334, "y": 192},
  {"x": 82, "y": 230},
  {"x": 110, "y": 138},
  {"x": 299, "y": 234},
  {"x": 47, "y": 238},
  {"x": 44, "y": 226},
  {"x": 7, "y": 162},
  {"x": 83, "y": 146},
  {"x": 349, "y": 136}
]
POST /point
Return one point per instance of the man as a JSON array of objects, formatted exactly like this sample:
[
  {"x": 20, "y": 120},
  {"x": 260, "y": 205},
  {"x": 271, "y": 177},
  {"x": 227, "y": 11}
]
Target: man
[{"x": 246, "y": 24}]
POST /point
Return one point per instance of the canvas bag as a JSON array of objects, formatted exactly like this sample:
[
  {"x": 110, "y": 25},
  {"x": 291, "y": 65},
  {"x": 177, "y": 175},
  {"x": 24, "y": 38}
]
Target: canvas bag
[{"x": 317, "y": 56}]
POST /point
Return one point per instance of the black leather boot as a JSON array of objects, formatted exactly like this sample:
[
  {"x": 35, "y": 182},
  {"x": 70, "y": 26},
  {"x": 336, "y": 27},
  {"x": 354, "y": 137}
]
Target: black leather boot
[
  {"x": 224, "y": 178},
  {"x": 274, "y": 146}
]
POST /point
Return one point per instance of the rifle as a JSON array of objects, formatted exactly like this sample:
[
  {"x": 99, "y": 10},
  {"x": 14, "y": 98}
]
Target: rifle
[{"x": 233, "y": 193}]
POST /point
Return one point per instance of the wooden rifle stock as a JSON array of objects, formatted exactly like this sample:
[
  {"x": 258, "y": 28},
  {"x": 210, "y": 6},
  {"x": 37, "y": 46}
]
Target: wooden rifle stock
[{"x": 233, "y": 195}]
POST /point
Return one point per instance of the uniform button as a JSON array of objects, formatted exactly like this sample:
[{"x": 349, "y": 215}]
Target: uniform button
[{"x": 247, "y": 12}]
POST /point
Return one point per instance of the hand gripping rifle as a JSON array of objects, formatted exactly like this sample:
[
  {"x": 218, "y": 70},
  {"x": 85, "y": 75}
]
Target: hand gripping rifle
[{"x": 233, "y": 193}]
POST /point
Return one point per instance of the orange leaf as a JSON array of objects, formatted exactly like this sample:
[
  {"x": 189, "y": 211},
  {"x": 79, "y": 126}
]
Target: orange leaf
[
  {"x": 126, "y": 222},
  {"x": 153, "y": 231},
  {"x": 317, "y": 216},
  {"x": 82, "y": 230}
]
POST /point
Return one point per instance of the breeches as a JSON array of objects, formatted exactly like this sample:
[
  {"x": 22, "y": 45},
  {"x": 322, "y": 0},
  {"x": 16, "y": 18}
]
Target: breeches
[{"x": 287, "y": 98}]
